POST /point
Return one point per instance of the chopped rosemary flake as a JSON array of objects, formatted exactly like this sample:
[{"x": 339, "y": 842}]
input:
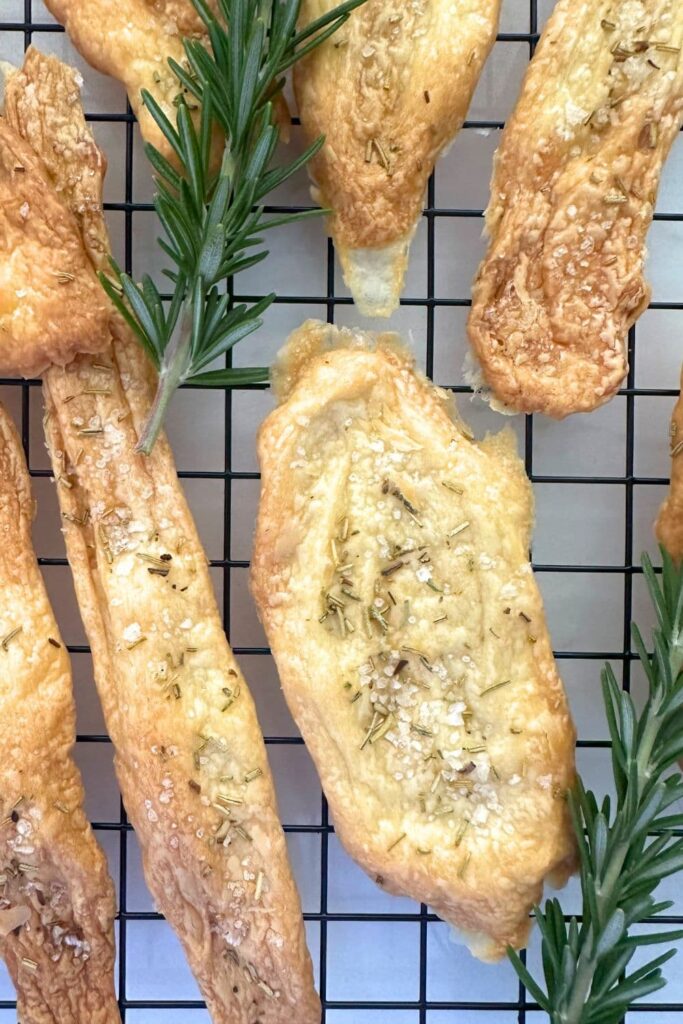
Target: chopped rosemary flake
[
  {"x": 458, "y": 529},
  {"x": 228, "y": 801},
  {"x": 396, "y": 842},
  {"x": 152, "y": 559},
  {"x": 30, "y": 965},
  {"x": 463, "y": 783},
  {"x": 259, "y": 886},
  {"x": 154, "y": 571},
  {"x": 614, "y": 198},
  {"x": 242, "y": 832},
  {"x": 665, "y": 48},
  {"x": 377, "y": 617},
  {"x": 102, "y": 366},
  {"x": 531, "y": 638},
  {"x": 424, "y": 853},
  {"x": 609, "y": 26},
  {"x": 420, "y": 729},
  {"x": 253, "y": 774},
  {"x": 676, "y": 450},
  {"x": 496, "y": 686},
  {"x": 433, "y": 586},
  {"x": 452, "y": 487},
  {"x": 463, "y": 867},
  {"x": 441, "y": 618},
  {"x": 59, "y": 806},
  {"x": 90, "y": 431},
  {"x": 55, "y": 643},
  {"x": 7, "y": 639},
  {"x": 356, "y": 696},
  {"x": 382, "y": 154},
  {"x": 648, "y": 136},
  {"x": 368, "y": 151},
  {"x": 96, "y": 391},
  {"x": 341, "y": 621},
  {"x": 610, "y": 260},
  {"x": 493, "y": 633},
  {"x": 391, "y": 569},
  {"x": 383, "y": 729},
  {"x": 482, "y": 747},
  {"x": 64, "y": 277},
  {"x": 461, "y": 830},
  {"x": 374, "y": 724},
  {"x": 350, "y": 593},
  {"x": 389, "y": 488},
  {"x": 135, "y": 643},
  {"x": 524, "y": 616}
]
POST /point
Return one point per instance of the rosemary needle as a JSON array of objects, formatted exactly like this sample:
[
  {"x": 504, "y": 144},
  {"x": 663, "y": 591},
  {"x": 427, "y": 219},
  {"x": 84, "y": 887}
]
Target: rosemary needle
[
  {"x": 211, "y": 217},
  {"x": 621, "y": 861}
]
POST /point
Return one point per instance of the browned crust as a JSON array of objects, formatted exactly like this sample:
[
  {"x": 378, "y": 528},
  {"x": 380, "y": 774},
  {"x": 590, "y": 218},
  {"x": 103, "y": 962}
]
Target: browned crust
[
  {"x": 131, "y": 40},
  {"x": 332, "y": 381},
  {"x": 669, "y": 526},
  {"x": 388, "y": 92},
  {"x": 56, "y": 890},
  {"x": 182, "y": 721},
  {"x": 572, "y": 197},
  {"x": 162, "y": 701},
  {"x": 51, "y": 304}
]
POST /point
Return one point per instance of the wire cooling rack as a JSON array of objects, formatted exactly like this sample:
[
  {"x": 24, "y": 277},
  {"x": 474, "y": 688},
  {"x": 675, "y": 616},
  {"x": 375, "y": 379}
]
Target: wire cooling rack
[{"x": 598, "y": 481}]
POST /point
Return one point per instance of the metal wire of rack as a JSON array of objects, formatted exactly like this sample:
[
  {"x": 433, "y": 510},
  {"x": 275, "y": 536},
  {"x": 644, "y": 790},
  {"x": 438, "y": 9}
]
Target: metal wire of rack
[{"x": 423, "y": 1007}]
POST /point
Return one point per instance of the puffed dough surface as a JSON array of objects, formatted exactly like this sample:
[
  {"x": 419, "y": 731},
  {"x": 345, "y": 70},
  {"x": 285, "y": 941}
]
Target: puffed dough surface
[
  {"x": 572, "y": 197},
  {"x": 56, "y": 897},
  {"x": 670, "y": 521},
  {"x": 388, "y": 91},
  {"x": 391, "y": 573},
  {"x": 189, "y": 754},
  {"x": 51, "y": 303},
  {"x": 131, "y": 40}
]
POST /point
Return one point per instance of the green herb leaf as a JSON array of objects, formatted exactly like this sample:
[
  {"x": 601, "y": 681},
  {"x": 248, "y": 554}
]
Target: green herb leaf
[
  {"x": 621, "y": 863},
  {"x": 207, "y": 214}
]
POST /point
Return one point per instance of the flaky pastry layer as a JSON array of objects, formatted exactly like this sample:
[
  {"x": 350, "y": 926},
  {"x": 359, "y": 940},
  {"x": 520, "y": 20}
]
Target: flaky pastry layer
[
  {"x": 56, "y": 897},
  {"x": 189, "y": 754},
  {"x": 572, "y": 197},
  {"x": 51, "y": 303},
  {"x": 388, "y": 92},
  {"x": 132, "y": 40},
  {"x": 669, "y": 527},
  {"x": 391, "y": 573}
]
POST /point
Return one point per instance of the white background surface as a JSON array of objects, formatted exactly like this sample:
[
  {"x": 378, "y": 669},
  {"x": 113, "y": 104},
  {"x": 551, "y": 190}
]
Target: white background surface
[{"x": 579, "y": 524}]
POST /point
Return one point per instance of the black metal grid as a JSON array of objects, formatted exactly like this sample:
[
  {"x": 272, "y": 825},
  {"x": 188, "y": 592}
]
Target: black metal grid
[{"x": 421, "y": 1006}]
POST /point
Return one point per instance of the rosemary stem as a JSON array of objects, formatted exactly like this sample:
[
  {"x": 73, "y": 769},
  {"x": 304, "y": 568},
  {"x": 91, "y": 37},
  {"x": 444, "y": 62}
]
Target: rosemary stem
[
  {"x": 174, "y": 368},
  {"x": 606, "y": 890}
]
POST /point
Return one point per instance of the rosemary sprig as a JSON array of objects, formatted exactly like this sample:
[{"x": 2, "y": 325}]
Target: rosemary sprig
[
  {"x": 625, "y": 852},
  {"x": 212, "y": 219}
]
